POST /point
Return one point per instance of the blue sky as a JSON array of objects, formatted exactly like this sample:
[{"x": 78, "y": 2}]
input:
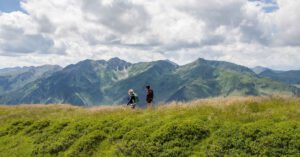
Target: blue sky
[
  {"x": 268, "y": 5},
  {"x": 9, "y": 5},
  {"x": 14, "y": 5}
]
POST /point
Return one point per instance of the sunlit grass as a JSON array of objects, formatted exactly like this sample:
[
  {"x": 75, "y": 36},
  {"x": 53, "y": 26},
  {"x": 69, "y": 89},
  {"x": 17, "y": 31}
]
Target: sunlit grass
[{"x": 232, "y": 126}]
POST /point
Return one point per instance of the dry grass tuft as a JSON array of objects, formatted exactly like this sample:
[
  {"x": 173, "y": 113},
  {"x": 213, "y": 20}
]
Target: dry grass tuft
[
  {"x": 221, "y": 102},
  {"x": 106, "y": 108},
  {"x": 31, "y": 106},
  {"x": 218, "y": 102}
]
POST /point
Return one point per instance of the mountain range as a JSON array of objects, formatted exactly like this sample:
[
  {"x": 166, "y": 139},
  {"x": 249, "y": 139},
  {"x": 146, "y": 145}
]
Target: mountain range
[
  {"x": 100, "y": 82},
  {"x": 15, "y": 78},
  {"x": 291, "y": 77}
]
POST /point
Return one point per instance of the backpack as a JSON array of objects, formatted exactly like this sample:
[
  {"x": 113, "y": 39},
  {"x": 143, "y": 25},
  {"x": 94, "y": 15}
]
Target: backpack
[{"x": 136, "y": 98}]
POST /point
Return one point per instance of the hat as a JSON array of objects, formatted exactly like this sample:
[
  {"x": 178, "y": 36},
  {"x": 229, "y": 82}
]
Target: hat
[{"x": 130, "y": 91}]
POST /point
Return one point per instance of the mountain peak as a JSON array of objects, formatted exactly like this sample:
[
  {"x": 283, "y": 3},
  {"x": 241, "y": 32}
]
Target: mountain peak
[
  {"x": 86, "y": 61},
  {"x": 220, "y": 65},
  {"x": 201, "y": 59},
  {"x": 116, "y": 59},
  {"x": 259, "y": 69},
  {"x": 173, "y": 63},
  {"x": 117, "y": 64}
]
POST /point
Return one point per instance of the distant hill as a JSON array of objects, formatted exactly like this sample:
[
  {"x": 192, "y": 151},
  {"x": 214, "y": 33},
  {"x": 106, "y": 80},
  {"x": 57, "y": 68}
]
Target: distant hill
[
  {"x": 12, "y": 79},
  {"x": 259, "y": 69},
  {"x": 91, "y": 82},
  {"x": 289, "y": 77}
]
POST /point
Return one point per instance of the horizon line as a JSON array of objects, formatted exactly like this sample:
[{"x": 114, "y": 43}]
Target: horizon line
[{"x": 2, "y": 68}]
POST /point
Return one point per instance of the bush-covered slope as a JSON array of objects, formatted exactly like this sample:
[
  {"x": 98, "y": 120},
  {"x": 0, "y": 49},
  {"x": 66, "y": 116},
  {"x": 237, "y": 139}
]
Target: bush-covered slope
[
  {"x": 102, "y": 82},
  {"x": 214, "y": 127},
  {"x": 289, "y": 77},
  {"x": 12, "y": 79}
]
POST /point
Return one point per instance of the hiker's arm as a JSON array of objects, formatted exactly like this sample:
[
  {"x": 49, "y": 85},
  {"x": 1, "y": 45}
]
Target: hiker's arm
[{"x": 130, "y": 101}]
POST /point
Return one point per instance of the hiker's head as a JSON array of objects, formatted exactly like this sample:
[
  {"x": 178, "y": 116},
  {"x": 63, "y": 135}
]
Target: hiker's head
[
  {"x": 130, "y": 92},
  {"x": 148, "y": 87}
]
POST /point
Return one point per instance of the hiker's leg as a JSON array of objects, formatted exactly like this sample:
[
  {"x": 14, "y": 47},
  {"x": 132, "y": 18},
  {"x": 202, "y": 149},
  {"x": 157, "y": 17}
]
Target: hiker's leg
[
  {"x": 133, "y": 106},
  {"x": 149, "y": 104}
]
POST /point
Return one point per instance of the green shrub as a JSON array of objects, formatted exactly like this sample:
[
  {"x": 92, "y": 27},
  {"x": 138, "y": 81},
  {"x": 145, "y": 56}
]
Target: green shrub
[
  {"x": 172, "y": 139},
  {"x": 191, "y": 131},
  {"x": 261, "y": 138},
  {"x": 51, "y": 132},
  {"x": 61, "y": 141},
  {"x": 86, "y": 144},
  {"x": 18, "y": 126},
  {"x": 37, "y": 127},
  {"x": 213, "y": 128}
]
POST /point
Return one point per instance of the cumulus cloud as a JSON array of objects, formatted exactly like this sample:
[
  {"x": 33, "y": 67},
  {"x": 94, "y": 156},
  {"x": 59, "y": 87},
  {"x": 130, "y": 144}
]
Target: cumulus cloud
[
  {"x": 286, "y": 20},
  {"x": 18, "y": 35},
  {"x": 118, "y": 15},
  {"x": 254, "y": 32}
]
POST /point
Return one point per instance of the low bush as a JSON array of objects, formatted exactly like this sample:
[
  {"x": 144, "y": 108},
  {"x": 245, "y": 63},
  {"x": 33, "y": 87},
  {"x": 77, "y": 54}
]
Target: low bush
[{"x": 213, "y": 128}]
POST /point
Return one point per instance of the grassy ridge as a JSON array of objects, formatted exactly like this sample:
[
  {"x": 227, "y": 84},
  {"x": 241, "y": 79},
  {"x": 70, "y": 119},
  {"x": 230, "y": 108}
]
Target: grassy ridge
[{"x": 252, "y": 126}]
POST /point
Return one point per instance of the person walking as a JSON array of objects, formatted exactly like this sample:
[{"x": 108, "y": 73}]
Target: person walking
[
  {"x": 149, "y": 97},
  {"x": 133, "y": 99}
]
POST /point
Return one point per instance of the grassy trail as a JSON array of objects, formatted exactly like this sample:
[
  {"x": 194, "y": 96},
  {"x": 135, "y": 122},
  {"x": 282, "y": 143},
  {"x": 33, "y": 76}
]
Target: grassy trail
[{"x": 236, "y": 126}]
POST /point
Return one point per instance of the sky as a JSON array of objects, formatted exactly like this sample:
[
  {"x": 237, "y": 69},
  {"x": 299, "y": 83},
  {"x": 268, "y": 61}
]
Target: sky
[
  {"x": 247, "y": 32},
  {"x": 9, "y": 5}
]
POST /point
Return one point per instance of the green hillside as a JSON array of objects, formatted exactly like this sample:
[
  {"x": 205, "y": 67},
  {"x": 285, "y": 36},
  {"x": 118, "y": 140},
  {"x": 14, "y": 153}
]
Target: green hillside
[
  {"x": 90, "y": 83},
  {"x": 290, "y": 77},
  {"x": 236, "y": 126},
  {"x": 12, "y": 79}
]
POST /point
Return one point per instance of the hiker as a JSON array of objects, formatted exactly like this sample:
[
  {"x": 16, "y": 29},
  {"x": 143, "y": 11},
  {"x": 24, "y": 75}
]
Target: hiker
[
  {"x": 133, "y": 98},
  {"x": 149, "y": 97}
]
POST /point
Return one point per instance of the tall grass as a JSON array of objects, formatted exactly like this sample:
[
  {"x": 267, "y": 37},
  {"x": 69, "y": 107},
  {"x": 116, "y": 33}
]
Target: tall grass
[{"x": 235, "y": 126}]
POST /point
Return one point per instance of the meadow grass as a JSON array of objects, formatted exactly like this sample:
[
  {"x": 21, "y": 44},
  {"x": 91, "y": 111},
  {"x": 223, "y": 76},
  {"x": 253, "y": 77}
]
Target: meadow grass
[{"x": 234, "y": 126}]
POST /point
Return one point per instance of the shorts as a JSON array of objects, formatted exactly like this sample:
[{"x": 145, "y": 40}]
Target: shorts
[
  {"x": 133, "y": 106},
  {"x": 149, "y": 101}
]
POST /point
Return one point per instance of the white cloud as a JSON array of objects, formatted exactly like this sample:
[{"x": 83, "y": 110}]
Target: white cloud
[
  {"x": 67, "y": 31},
  {"x": 287, "y": 23}
]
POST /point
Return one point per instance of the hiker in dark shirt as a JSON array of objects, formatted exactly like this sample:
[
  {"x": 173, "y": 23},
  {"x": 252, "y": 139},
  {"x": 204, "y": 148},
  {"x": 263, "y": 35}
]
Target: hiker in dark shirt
[
  {"x": 133, "y": 98},
  {"x": 149, "y": 97}
]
